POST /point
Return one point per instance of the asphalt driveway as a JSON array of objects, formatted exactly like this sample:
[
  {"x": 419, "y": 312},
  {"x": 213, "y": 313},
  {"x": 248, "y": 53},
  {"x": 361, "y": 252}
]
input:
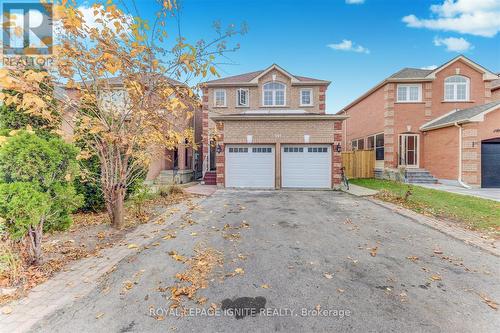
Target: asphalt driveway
[{"x": 364, "y": 267}]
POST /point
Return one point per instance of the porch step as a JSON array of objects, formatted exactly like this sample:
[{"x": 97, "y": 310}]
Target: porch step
[
  {"x": 419, "y": 176},
  {"x": 210, "y": 178}
]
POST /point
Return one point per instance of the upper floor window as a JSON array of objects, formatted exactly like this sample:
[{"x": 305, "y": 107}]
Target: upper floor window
[
  {"x": 409, "y": 93},
  {"x": 242, "y": 97},
  {"x": 220, "y": 97},
  {"x": 274, "y": 94},
  {"x": 306, "y": 97},
  {"x": 456, "y": 88}
]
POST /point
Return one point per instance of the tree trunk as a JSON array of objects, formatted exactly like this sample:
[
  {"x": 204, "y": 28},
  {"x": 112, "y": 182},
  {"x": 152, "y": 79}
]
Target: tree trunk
[
  {"x": 117, "y": 208},
  {"x": 35, "y": 235}
]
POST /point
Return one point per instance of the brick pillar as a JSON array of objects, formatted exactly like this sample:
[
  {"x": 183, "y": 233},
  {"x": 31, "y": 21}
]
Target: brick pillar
[
  {"x": 390, "y": 138},
  {"x": 322, "y": 98},
  {"x": 204, "y": 133},
  {"x": 220, "y": 158},
  {"x": 336, "y": 156},
  {"x": 277, "y": 170},
  {"x": 181, "y": 157}
]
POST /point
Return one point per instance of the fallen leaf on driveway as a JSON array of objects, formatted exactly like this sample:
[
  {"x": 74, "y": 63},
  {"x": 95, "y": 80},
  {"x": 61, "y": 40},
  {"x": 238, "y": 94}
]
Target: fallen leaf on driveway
[
  {"x": 437, "y": 251},
  {"x": 329, "y": 276},
  {"x": 99, "y": 315},
  {"x": 436, "y": 277},
  {"x": 194, "y": 234},
  {"x": 373, "y": 251},
  {"x": 340, "y": 290},
  {"x": 412, "y": 258},
  {"x": 6, "y": 310},
  {"x": 168, "y": 236},
  {"x": 132, "y": 246},
  {"x": 355, "y": 261},
  {"x": 264, "y": 286},
  {"x": 177, "y": 256},
  {"x": 239, "y": 271},
  {"x": 491, "y": 303}
]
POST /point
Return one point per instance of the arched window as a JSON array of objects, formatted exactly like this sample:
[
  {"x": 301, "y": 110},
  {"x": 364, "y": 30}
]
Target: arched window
[
  {"x": 456, "y": 88},
  {"x": 273, "y": 94}
]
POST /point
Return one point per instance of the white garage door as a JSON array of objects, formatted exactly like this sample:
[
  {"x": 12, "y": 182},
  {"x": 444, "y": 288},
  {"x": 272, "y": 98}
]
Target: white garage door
[
  {"x": 250, "y": 166},
  {"x": 306, "y": 166}
]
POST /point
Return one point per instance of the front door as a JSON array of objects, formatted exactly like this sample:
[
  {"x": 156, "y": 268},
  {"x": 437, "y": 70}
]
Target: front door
[{"x": 408, "y": 150}]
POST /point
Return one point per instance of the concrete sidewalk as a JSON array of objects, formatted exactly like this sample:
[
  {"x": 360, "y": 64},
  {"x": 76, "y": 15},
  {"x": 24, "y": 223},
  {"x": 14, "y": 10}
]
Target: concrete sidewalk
[
  {"x": 484, "y": 193},
  {"x": 360, "y": 191}
]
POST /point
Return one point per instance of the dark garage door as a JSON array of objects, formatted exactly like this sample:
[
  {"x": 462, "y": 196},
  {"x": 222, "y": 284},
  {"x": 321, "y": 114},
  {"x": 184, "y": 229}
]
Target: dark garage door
[{"x": 490, "y": 163}]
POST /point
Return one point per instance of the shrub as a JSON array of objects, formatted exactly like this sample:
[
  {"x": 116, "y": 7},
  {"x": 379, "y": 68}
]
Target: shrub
[
  {"x": 36, "y": 187},
  {"x": 87, "y": 184}
]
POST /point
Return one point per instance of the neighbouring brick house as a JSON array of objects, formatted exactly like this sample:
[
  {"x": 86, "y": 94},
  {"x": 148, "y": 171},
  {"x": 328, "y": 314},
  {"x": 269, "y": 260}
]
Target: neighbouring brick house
[
  {"x": 268, "y": 129},
  {"x": 442, "y": 123},
  {"x": 180, "y": 165}
]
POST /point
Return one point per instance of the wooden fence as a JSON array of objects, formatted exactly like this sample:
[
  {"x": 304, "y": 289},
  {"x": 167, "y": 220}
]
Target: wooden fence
[{"x": 359, "y": 163}]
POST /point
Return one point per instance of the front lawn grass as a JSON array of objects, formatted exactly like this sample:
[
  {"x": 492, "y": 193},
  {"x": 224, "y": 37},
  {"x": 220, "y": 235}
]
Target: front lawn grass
[{"x": 476, "y": 213}]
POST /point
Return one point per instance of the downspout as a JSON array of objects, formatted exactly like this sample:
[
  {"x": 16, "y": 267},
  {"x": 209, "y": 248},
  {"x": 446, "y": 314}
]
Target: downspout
[{"x": 460, "y": 156}]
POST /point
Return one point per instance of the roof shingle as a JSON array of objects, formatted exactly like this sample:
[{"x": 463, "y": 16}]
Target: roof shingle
[
  {"x": 411, "y": 73},
  {"x": 460, "y": 115}
]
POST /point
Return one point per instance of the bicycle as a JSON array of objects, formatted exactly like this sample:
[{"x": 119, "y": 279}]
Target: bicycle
[{"x": 344, "y": 180}]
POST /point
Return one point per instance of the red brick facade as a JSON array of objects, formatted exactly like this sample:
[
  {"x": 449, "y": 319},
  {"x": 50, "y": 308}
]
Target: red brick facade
[{"x": 378, "y": 111}]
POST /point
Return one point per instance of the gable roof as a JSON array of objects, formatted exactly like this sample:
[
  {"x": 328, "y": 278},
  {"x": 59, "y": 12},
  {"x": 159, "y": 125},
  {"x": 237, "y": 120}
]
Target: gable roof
[
  {"x": 416, "y": 74},
  {"x": 474, "y": 113},
  {"x": 253, "y": 77},
  {"x": 487, "y": 74}
]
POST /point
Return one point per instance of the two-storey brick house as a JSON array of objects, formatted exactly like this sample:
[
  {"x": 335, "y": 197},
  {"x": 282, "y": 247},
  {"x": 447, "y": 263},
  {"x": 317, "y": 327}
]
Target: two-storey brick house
[
  {"x": 268, "y": 129},
  {"x": 442, "y": 123}
]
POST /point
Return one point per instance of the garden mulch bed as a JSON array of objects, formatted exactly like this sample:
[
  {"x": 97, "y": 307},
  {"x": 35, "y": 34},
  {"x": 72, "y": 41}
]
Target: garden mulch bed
[{"x": 89, "y": 233}]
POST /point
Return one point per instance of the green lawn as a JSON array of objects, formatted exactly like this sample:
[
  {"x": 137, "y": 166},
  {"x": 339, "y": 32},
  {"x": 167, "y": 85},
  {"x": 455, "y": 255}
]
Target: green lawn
[{"x": 476, "y": 213}]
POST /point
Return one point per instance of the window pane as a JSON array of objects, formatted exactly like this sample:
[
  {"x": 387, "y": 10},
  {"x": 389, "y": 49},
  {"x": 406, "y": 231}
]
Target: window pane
[
  {"x": 401, "y": 93},
  {"x": 370, "y": 142},
  {"x": 280, "y": 97},
  {"x": 413, "y": 93},
  {"x": 361, "y": 144},
  {"x": 448, "y": 92},
  {"x": 461, "y": 88},
  {"x": 268, "y": 98},
  {"x": 379, "y": 140},
  {"x": 306, "y": 97},
  {"x": 379, "y": 154}
]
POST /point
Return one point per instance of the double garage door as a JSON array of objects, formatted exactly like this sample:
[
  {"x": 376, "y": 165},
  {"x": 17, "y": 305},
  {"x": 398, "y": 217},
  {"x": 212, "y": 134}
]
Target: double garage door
[{"x": 302, "y": 166}]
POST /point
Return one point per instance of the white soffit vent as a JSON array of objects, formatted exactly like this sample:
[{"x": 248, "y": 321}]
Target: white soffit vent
[
  {"x": 306, "y": 138},
  {"x": 249, "y": 138}
]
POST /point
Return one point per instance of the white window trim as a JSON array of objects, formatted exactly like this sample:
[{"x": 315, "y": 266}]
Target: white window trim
[
  {"x": 311, "y": 94},
  {"x": 215, "y": 98},
  {"x": 419, "y": 86},
  {"x": 238, "y": 99},
  {"x": 467, "y": 90},
  {"x": 274, "y": 96}
]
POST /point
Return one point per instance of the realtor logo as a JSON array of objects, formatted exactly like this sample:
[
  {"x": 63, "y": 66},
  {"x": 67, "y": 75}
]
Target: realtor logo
[{"x": 27, "y": 28}]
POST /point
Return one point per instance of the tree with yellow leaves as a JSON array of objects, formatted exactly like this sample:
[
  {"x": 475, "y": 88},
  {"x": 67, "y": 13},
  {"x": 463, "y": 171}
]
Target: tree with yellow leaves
[{"x": 118, "y": 85}]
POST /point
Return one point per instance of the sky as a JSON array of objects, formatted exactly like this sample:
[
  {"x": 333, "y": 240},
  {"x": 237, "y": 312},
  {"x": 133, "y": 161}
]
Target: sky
[{"x": 353, "y": 43}]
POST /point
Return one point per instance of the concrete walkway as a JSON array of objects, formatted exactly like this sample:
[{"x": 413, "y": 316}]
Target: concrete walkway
[
  {"x": 80, "y": 278},
  {"x": 205, "y": 190},
  {"x": 360, "y": 191},
  {"x": 485, "y": 193}
]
